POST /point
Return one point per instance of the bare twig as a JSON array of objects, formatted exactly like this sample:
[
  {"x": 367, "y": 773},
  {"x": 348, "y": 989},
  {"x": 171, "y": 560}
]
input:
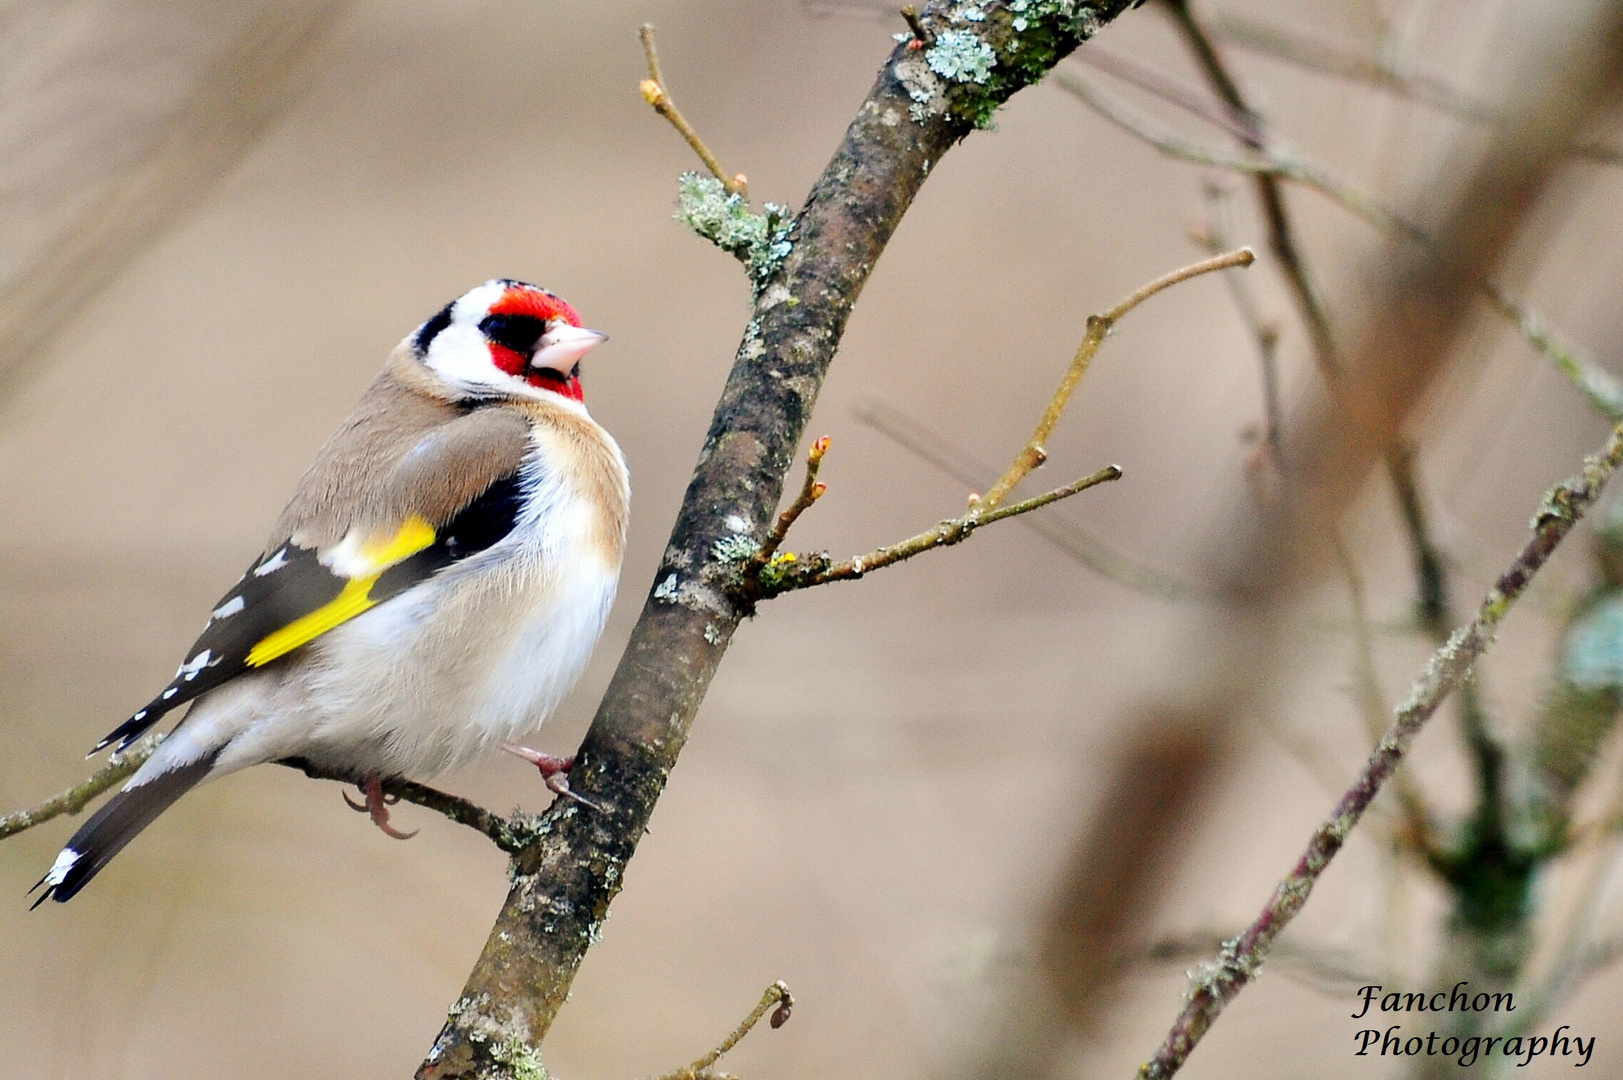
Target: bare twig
[
  {"x": 1351, "y": 64},
  {"x": 76, "y": 798},
  {"x": 1033, "y": 453},
  {"x": 231, "y": 108},
  {"x": 777, "y": 999},
  {"x": 1602, "y": 388},
  {"x": 790, "y": 572},
  {"x": 1214, "y": 238},
  {"x": 810, "y": 492},
  {"x": 1241, "y": 958},
  {"x": 1273, "y": 162},
  {"x": 767, "y": 574},
  {"x": 1070, "y": 538},
  {"x": 508, "y": 834},
  {"x": 921, "y": 34},
  {"x": 654, "y": 92},
  {"x": 1281, "y": 235},
  {"x": 1153, "y": 80}
]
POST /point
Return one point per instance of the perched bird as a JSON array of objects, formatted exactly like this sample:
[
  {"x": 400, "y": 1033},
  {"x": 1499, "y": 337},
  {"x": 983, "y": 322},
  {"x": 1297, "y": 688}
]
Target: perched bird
[{"x": 433, "y": 589}]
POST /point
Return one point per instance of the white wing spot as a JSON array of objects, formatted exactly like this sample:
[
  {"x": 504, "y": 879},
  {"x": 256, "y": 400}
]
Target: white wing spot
[
  {"x": 59, "y": 869},
  {"x": 169, "y": 693},
  {"x": 272, "y": 564},
  {"x": 142, "y": 715},
  {"x": 230, "y": 607},
  {"x": 190, "y": 668}
]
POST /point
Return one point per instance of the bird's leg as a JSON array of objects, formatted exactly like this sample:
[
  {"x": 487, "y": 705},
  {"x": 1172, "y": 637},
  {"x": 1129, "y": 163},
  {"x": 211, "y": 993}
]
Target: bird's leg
[
  {"x": 377, "y": 805},
  {"x": 554, "y": 771}
]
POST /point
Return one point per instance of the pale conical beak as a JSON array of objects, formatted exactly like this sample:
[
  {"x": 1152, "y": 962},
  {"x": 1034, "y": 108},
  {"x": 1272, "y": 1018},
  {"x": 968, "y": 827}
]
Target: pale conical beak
[{"x": 561, "y": 346}]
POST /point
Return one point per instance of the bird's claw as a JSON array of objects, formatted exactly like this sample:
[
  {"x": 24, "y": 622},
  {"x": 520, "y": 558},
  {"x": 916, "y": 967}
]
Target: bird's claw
[
  {"x": 554, "y": 772},
  {"x": 377, "y": 805}
]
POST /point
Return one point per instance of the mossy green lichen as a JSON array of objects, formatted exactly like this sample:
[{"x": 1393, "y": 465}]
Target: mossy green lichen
[
  {"x": 979, "y": 60},
  {"x": 726, "y": 220},
  {"x": 520, "y": 1060},
  {"x": 961, "y": 56},
  {"x": 734, "y": 548}
]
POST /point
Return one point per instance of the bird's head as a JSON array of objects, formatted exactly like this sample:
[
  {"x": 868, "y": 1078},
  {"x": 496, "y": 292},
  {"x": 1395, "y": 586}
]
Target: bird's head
[{"x": 506, "y": 339}]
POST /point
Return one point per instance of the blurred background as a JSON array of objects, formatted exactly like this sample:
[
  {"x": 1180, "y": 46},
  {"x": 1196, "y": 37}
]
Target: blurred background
[{"x": 959, "y": 807}]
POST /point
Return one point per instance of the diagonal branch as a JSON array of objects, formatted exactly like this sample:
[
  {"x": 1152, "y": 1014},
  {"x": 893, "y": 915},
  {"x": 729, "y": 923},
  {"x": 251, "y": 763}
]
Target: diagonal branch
[
  {"x": 654, "y": 92},
  {"x": 1240, "y": 959},
  {"x": 923, "y": 103},
  {"x": 789, "y": 572},
  {"x": 1033, "y": 453},
  {"x": 114, "y": 771}
]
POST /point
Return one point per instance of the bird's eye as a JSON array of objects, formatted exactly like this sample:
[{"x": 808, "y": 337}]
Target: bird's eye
[{"x": 516, "y": 332}]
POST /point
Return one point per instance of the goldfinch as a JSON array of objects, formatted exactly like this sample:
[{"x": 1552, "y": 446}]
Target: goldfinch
[{"x": 433, "y": 589}]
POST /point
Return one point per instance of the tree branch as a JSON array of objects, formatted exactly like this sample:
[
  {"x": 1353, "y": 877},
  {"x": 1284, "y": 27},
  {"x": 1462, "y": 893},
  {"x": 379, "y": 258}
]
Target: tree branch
[
  {"x": 923, "y": 103},
  {"x": 509, "y": 834},
  {"x": 1240, "y": 959},
  {"x": 114, "y": 771},
  {"x": 970, "y": 471},
  {"x": 777, "y": 998},
  {"x": 789, "y": 572},
  {"x": 1344, "y": 63},
  {"x": 654, "y": 92},
  {"x": 1034, "y": 453}
]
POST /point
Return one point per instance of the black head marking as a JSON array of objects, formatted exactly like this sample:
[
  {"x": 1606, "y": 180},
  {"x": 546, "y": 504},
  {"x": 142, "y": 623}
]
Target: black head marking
[{"x": 430, "y": 329}]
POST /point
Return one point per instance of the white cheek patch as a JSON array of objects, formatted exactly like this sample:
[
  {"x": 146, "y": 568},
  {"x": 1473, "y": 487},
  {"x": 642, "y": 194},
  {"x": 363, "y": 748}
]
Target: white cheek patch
[{"x": 460, "y": 355}]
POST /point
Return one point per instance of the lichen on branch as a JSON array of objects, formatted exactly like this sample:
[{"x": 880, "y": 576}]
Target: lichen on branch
[
  {"x": 760, "y": 241},
  {"x": 980, "y": 52}
]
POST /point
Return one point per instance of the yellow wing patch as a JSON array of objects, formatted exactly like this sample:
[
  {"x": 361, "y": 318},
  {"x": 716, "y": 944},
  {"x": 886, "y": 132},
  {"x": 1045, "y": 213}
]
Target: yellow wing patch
[{"x": 412, "y": 537}]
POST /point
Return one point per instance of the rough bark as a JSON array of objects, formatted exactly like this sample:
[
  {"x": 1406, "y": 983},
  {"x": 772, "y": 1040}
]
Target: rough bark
[{"x": 565, "y": 879}]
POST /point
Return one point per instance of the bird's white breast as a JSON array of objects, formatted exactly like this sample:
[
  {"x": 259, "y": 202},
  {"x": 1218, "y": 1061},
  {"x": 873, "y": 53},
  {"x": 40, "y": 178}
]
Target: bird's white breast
[{"x": 482, "y": 652}]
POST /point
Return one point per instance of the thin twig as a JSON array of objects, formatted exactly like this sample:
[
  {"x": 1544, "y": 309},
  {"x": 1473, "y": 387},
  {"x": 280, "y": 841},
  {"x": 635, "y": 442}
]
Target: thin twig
[
  {"x": 1214, "y": 238},
  {"x": 1418, "y": 835},
  {"x": 1033, "y": 453},
  {"x": 509, "y": 834},
  {"x": 1070, "y": 538},
  {"x": 1252, "y": 163},
  {"x": 654, "y": 92},
  {"x": 1153, "y": 80},
  {"x": 76, "y": 798},
  {"x": 793, "y": 572},
  {"x": 1339, "y": 61},
  {"x": 776, "y": 995},
  {"x": 921, "y": 34},
  {"x": 810, "y": 492},
  {"x": 1281, "y": 234},
  {"x": 1241, "y": 958},
  {"x": 1602, "y": 389}
]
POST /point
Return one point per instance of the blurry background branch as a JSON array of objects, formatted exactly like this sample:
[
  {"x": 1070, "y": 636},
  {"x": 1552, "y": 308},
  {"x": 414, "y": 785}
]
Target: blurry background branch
[
  {"x": 223, "y": 118},
  {"x": 1330, "y": 443},
  {"x": 1238, "y": 962}
]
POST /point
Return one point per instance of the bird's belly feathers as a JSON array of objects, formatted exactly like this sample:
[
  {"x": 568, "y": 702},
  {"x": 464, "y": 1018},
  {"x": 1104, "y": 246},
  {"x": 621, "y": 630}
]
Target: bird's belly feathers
[{"x": 481, "y": 653}]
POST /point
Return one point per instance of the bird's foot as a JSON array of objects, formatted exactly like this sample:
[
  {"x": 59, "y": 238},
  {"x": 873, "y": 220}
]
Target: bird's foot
[
  {"x": 377, "y": 805},
  {"x": 554, "y": 771}
]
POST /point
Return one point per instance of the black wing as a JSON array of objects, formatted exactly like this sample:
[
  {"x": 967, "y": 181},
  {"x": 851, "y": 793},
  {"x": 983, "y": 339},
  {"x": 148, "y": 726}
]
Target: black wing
[{"x": 291, "y": 598}]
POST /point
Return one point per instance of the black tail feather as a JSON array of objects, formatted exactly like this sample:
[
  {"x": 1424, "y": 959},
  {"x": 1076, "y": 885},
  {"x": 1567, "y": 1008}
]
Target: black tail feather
[{"x": 115, "y": 825}]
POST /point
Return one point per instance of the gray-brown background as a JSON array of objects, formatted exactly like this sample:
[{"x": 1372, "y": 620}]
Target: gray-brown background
[{"x": 886, "y": 776}]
